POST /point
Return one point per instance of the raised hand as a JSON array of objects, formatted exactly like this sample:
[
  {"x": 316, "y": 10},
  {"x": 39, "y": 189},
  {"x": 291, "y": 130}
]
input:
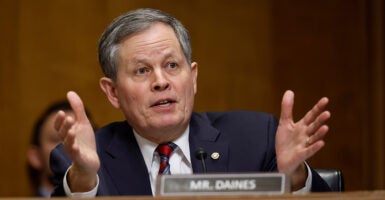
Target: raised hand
[
  {"x": 78, "y": 139},
  {"x": 298, "y": 141}
]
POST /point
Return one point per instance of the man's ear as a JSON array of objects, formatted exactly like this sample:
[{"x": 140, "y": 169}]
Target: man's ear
[
  {"x": 34, "y": 158},
  {"x": 109, "y": 88},
  {"x": 194, "y": 73}
]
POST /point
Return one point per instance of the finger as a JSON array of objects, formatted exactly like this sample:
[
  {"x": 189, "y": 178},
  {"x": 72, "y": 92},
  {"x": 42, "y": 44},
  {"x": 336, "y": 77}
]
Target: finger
[
  {"x": 65, "y": 127},
  {"x": 59, "y": 119},
  {"x": 318, "y": 135},
  {"x": 70, "y": 145},
  {"x": 317, "y": 109},
  {"x": 314, "y": 148},
  {"x": 287, "y": 107},
  {"x": 320, "y": 121},
  {"x": 70, "y": 139},
  {"x": 77, "y": 106}
]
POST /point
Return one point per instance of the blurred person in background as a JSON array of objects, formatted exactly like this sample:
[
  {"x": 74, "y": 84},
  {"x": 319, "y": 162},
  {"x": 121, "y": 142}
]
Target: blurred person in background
[{"x": 43, "y": 139}]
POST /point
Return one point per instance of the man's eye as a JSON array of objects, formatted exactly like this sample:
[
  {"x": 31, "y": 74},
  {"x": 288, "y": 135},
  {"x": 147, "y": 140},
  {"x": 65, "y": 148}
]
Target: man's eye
[
  {"x": 142, "y": 70},
  {"x": 172, "y": 65}
]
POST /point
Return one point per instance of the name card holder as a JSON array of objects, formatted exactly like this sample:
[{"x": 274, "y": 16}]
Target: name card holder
[{"x": 222, "y": 184}]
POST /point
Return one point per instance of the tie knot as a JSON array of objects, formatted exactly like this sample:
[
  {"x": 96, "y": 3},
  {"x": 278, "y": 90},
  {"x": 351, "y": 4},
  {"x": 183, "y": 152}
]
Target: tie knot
[{"x": 166, "y": 149}]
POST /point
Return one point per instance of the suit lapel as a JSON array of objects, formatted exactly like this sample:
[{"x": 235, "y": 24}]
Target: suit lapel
[
  {"x": 125, "y": 164},
  {"x": 203, "y": 135}
]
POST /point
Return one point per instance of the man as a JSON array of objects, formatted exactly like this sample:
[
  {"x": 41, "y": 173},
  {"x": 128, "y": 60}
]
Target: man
[{"x": 146, "y": 58}]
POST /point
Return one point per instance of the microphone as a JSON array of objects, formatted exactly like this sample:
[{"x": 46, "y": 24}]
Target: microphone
[{"x": 201, "y": 154}]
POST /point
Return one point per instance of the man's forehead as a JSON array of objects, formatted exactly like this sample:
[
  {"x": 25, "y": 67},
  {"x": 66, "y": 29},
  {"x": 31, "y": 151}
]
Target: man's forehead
[
  {"x": 156, "y": 41},
  {"x": 153, "y": 31}
]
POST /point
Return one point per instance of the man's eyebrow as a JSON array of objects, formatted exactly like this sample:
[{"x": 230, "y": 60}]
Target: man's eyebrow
[
  {"x": 145, "y": 59},
  {"x": 171, "y": 54},
  {"x": 139, "y": 60}
]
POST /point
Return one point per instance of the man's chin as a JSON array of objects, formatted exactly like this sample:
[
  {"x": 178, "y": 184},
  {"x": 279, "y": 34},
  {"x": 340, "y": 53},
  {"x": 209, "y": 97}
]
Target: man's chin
[{"x": 169, "y": 126}]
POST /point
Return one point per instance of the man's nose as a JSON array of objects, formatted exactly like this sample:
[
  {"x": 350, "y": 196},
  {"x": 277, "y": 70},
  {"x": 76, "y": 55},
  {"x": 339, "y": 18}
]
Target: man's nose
[{"x": 160, "y": 82}]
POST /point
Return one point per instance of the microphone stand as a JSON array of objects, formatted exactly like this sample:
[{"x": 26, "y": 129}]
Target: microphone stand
[{"x": 201, "y": 155}]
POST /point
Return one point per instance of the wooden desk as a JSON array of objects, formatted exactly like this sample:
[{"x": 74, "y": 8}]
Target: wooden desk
[
  {"x": 370, "y": 195},
  {"x": 378, "y": 194}
]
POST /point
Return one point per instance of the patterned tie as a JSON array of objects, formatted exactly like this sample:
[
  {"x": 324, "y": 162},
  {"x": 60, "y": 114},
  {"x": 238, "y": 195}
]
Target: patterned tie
[{"x": 165, "y": 151}]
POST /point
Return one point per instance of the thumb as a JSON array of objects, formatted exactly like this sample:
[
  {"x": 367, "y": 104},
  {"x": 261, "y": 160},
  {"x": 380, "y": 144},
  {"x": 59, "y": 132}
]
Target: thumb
[
  {"x": 77, "y": 106},
  {"x": 287, "y": 106}
]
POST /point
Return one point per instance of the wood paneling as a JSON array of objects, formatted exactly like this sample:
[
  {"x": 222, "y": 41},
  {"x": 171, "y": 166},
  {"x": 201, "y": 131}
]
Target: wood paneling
[
  {"x": 322, "y": 49},
  {"x": 11, "y": 145},
  {"x": 375, "y": 157},
  {"x": 248, "y": 53}
]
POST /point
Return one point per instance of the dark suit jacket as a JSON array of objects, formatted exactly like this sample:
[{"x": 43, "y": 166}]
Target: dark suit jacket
[{"x": 244, "y": 140}]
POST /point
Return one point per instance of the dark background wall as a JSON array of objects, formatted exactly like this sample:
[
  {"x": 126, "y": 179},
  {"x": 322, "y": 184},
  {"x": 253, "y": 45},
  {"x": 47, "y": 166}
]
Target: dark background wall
[{"x": 249, "y": 52}]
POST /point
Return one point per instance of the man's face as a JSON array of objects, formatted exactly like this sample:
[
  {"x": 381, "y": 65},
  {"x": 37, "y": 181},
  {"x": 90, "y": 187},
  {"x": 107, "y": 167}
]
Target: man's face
[{"x": 155, "y": 86}]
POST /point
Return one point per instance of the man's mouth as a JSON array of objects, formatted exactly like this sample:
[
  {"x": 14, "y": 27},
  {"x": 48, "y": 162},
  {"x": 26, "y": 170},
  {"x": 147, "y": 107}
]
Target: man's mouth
[{"x": 163, "y": 103}]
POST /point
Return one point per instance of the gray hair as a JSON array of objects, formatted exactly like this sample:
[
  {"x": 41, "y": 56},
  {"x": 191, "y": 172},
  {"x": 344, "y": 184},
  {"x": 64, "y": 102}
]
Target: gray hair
[{"x": 134, "y": 22}]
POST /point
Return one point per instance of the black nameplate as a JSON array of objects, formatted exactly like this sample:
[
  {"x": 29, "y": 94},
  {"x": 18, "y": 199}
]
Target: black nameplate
[{"x": 222, "y": 184}]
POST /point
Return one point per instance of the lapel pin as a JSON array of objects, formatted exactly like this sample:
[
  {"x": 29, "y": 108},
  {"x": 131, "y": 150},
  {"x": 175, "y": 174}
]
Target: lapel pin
[{"x": 215, "y": 155}]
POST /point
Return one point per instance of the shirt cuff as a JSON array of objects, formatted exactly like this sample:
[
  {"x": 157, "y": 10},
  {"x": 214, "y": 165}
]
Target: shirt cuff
[
  {"x": 88, "y": 194},
  {"x": 308, "y": 182}
]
